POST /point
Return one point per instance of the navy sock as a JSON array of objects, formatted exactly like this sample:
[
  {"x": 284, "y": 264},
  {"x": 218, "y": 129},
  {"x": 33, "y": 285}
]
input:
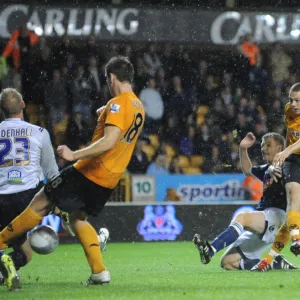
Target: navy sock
[
  {"x": 19, "y": 258},
  {"x": 227, "y": 237},
  {"x": 248, "y": 264}
]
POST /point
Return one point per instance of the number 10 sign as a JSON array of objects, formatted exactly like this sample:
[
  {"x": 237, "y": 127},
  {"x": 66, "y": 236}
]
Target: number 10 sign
[{"x": 143, "y": 188}]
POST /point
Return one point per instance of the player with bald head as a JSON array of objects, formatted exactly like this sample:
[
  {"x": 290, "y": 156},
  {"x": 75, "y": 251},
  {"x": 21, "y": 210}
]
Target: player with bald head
[{"x": 26, "y": 157}]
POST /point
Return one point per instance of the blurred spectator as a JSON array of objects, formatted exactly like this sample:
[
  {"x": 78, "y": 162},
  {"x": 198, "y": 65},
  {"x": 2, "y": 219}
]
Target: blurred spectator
[
  {"x": 154, "y": 105},
  {"x": 259, "y": 81},
  {"x": 249, "y": 49},
  {"x": 77, "y": 134},
  {"x": 162, "y": 83},
  {"x": 141, "y": 75},
  {"x": 159, "y": 166},
  {"x": 226, "y": 95},
  {"x": 63, "y": 50},
  {"x": 171, "y": 132},
  {"x": 187, "y": 142},
  {"x": 275, "y": 115},
  {"x": 82, "y": 90},
  {"x": 94, "y": 72},
  {"x": 139, "y": 162},
  {"x": 280, "y": 63},
  {"x": 242, "y": 126},
  {"x": 213, "y": 163},
  {"x": 56, "y": 98},
  {"x": 253, "y": 188},
  {"x": 207, "y": 91},
  {"x": 202, "y": 71},
  {"x": 174, "y": 167},
  {"x": 203, "y": 141},
  {"x": 152, "y": 60},
  {"x": 168, "y": 61},
  {"x": 178, "y": 102},
  {"x": 20, "y": 46}
]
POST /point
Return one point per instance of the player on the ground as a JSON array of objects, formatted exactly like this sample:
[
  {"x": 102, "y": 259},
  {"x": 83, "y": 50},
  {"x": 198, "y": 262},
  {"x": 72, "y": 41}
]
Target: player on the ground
[
  {"x": 290, "y": 160},
  {"x": 26, "y": 157},
  {"x": 260, "y": 225},
  {"x": 83, "y": 188}
]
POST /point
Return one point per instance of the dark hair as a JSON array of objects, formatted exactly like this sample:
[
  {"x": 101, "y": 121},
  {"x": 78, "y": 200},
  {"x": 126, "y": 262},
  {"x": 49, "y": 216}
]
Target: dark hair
[
  {"x": 10, "y": 102},
  {"x": 121, "y": 67},
  {"x": 295, "y": 87},
  {"x": 278, "y": 138}
]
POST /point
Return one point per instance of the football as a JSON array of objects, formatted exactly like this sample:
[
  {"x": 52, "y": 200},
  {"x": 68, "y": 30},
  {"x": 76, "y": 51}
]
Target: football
[{"x": 43, "y": 239}]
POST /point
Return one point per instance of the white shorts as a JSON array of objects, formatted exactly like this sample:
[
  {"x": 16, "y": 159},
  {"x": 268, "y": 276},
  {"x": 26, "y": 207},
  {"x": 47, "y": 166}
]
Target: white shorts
[{"x": 251, "y": 245}]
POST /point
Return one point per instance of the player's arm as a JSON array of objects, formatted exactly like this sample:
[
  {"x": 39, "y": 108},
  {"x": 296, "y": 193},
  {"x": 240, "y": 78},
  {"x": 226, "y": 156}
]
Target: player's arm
[
  {"x": 111, "y": 136},
  {"x": 246, "y": 143},
  {"x": 48, "y": 162},
  {"x": 281, "y": 156}
]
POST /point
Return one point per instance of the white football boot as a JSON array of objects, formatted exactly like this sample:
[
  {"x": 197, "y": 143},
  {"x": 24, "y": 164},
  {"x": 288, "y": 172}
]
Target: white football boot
[
  {"x": 103, "y": 238},
  {"x": 100, "y": 278}
]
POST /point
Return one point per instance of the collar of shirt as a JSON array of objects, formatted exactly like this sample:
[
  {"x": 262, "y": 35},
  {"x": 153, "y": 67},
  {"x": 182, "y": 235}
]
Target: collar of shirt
[{"x": 13, "y": 119}]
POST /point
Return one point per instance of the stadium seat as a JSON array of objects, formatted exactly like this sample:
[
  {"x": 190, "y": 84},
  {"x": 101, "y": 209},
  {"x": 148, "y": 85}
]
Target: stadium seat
[
  {"x": 191, "y": 170},
  {"x": 149, "y": 151},
  {"x": 183, "y": 161},
  {"x": 197, "y": 160},
  {"x": 203, "y": 110},
  {"x": 154, "y": 140}
]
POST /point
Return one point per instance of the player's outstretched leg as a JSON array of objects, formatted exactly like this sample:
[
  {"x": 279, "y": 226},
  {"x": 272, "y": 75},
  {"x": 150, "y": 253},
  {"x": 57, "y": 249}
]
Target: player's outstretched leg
[
  {"x": 88, "y": 238},
  {"x": 224, "y": 239},
  {"x": 205, "y": 249},
  {"x": 11, "y": 277}
]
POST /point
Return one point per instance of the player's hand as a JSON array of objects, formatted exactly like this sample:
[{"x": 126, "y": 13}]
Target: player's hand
[
  {"x": 275, "y": 173},
  {"x": 280, "y": 158},
  {"x": 66, "y": 153},
  {"x": 248, "y": 141},
  {"x": 100, "y": 110}
]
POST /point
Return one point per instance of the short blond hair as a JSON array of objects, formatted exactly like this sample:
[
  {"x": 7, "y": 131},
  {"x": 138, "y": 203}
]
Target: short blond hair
[{"x": 10, "y": 102}]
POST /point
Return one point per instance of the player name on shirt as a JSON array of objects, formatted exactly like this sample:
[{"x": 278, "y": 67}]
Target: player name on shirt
[{"x": 11, "y": 132}]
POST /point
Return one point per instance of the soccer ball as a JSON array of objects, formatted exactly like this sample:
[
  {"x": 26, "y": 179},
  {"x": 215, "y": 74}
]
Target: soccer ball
[{"x": 43, "y": 239}]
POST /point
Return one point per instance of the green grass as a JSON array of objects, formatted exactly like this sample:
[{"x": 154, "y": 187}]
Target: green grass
[{"x": 149, "y": 271}]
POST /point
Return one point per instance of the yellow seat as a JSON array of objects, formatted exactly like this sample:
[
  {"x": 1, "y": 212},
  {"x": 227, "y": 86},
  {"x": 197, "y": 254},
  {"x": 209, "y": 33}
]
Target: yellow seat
[
  {"x": 183, "y": 161},
  {"x": 197, "y": 160},
  {"x": 154, "y": 140},
  {"x": 191, "y": 170},
  {"x": 149, "y": 151},
  {"x": 203, "y": 110}
]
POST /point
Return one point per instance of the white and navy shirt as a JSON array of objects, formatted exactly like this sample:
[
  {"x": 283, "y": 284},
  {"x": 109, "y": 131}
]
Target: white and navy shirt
[
  {"x": 26, "y": 156},
  {"x": 274, "y": 192}
]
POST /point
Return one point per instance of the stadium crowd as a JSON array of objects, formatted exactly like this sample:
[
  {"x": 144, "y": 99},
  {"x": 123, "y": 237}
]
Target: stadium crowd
[{"x": 199, "y": 104}]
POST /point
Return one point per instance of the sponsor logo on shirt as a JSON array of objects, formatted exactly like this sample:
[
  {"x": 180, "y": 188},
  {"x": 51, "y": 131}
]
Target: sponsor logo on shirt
[
  {"x": 14, "y": 176},
  {"x": 114, "y": 108}
]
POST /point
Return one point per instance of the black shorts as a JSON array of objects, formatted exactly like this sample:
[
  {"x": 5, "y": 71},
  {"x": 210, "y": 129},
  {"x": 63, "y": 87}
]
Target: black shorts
[
  {"x": 71, "y": 191},
  {"x": 11, "y": 205},
  {"x": 291, "y": 169}
]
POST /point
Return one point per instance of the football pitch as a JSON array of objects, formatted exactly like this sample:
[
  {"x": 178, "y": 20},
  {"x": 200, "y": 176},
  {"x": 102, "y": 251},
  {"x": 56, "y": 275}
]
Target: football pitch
[{"x": 149, "y": 271}]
